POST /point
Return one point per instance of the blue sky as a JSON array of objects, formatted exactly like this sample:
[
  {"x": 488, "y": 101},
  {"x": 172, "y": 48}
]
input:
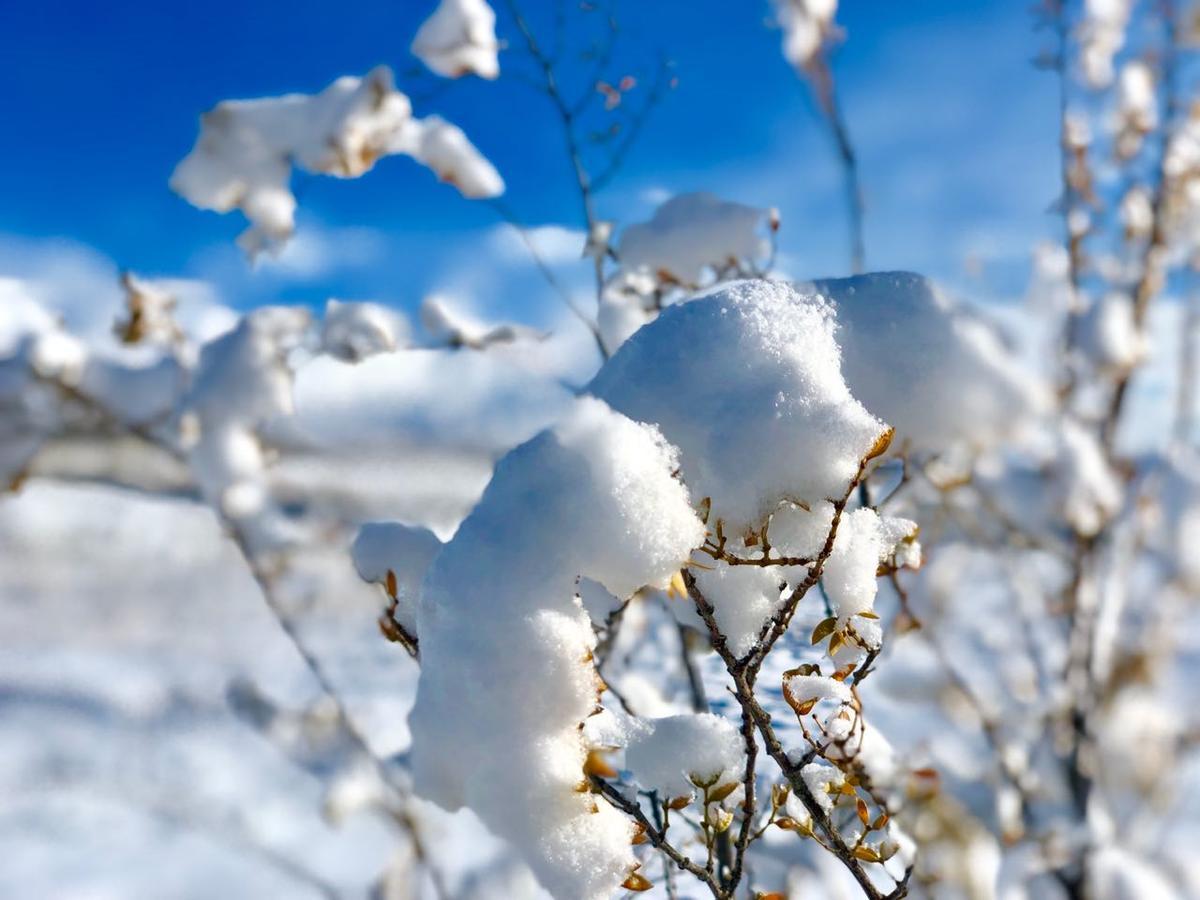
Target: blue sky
[{"x": 955, "y": 129}]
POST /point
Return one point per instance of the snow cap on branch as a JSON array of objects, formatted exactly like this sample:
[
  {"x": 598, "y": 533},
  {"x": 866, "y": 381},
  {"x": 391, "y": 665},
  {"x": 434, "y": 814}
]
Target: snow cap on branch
[
  {"x": 406, "y": 551},
  {"x": 936, "y": 373},
  {"x": 246, "y": 150},
  {"x": 676, "y": 754},
  {"x": 506, "y": 671},
  {"x": 352, "y": 332},
  {"x": 806, "y": 24},
  {"x": 746, "y": 382},
  {"x": 458, "y": 39},
  {"x": 692, "y": 232}
]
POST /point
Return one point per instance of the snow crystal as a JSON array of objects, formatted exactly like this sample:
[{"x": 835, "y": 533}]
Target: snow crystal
[
  {"x": 936, "y": 374},
  {"x": 458, "y": 39},
  {"x": 506, "y": 678},
  {"x": 745, "y": 381},
  {"x": 676, "y": 754},
  {"x": 692, "y": 232},
  {"x": 244, "y": 155}
]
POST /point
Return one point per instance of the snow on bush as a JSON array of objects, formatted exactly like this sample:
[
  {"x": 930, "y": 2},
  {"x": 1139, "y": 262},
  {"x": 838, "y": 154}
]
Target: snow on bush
[
  {"x": 458, "y": 39},
  {"x": 691, "y": 232},
  {"x": 507, "y": 679},
  {"x": 937, "y": 374},
  {"x": 806, "y": 24},
  {"x": 747, "y": 383},
  {"x": 353, "y": 331},
  {"x": 675, "y": 755},
  {"x": 244, "y": 155},
  {"x": 397, "y": 557}
]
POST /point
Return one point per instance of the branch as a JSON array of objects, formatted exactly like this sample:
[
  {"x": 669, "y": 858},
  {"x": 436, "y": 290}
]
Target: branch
[
  {"x": 657, "y": 838},
  {"x": 821, "y": 77}
]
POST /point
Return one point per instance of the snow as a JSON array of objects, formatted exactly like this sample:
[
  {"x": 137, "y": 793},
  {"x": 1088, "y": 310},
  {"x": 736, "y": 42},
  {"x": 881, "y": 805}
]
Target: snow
[
  {"x": 863, "y": 541},
  {"x": 816, "y": 687},
  {"x": 244, "y": 155},
  {"x": 732, "y": 379},
  {"x": 1137, "y": 211},
  {"x": 805, "y": 25},
  {"x": 936, "y": 373},
  {"x": 800, "y": 532},
  {"x": 406, "y": 551},
  {"x": 675, "y": 755},
  {"x": 241, "y": 383},
  {"x": 1136, "y": 101},
  {"x": 506, "y": 678},
  {"x": 449, "y": 325},
  {"x": 353, "y": 331},
  {"x": 691, "y": 233},
  {"x": 1109, "y": 337},
  {"x": 1090, "y": 491},
  {"x": 458, "y": 39},
  {"x": 821, "y": 778},
  {"x": 150, "y": 313},
  {"x": 743, "y": 598},
  {"x": 1102, "y": 34},
  {"x": 445, "y": 148}
]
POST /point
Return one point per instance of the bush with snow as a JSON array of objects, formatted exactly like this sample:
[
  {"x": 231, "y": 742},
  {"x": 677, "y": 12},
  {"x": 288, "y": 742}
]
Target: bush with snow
[{"x": 803, "y": 586}]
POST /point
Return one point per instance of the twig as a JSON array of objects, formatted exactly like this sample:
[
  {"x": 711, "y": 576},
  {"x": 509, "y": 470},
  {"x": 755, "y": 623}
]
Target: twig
[{"x": 656, "y": 836}]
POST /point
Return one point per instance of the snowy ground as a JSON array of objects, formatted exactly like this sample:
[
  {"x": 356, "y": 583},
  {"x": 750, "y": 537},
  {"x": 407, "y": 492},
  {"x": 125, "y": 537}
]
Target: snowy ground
[{"x": 125, "y": 773}]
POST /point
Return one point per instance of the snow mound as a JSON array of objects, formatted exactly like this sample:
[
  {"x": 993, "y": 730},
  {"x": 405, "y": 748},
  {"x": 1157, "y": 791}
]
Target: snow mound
[
  {"x": 506, "y": 676},
  {"x": 747, "y": 383},
  {"x": 936, "y": 374}
]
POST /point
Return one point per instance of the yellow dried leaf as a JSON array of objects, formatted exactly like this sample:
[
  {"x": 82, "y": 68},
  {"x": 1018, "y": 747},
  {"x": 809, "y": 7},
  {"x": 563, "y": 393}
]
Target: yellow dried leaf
[
  {"x": 717, "y": 794},
  {"x": 866, "y": 854},
  {"x": 824, "y": 628},
  {"x": 881, "y": 444},
  {"x": 636, "y": 882},
  {"x": 596, "y": 765},
  {"x": 677, "y": 588}
]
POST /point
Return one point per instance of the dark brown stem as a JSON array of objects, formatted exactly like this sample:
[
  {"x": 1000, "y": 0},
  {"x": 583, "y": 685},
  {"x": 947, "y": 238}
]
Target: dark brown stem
[{"x": 657, "y": 837}]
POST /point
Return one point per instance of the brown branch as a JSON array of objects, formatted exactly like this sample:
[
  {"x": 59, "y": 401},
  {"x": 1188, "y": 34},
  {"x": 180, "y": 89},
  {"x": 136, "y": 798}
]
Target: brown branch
[
  {"x": 657, "y": 837},
  {"x": 820, "y": 76},
  {"x": 1151, "y": 275}
]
